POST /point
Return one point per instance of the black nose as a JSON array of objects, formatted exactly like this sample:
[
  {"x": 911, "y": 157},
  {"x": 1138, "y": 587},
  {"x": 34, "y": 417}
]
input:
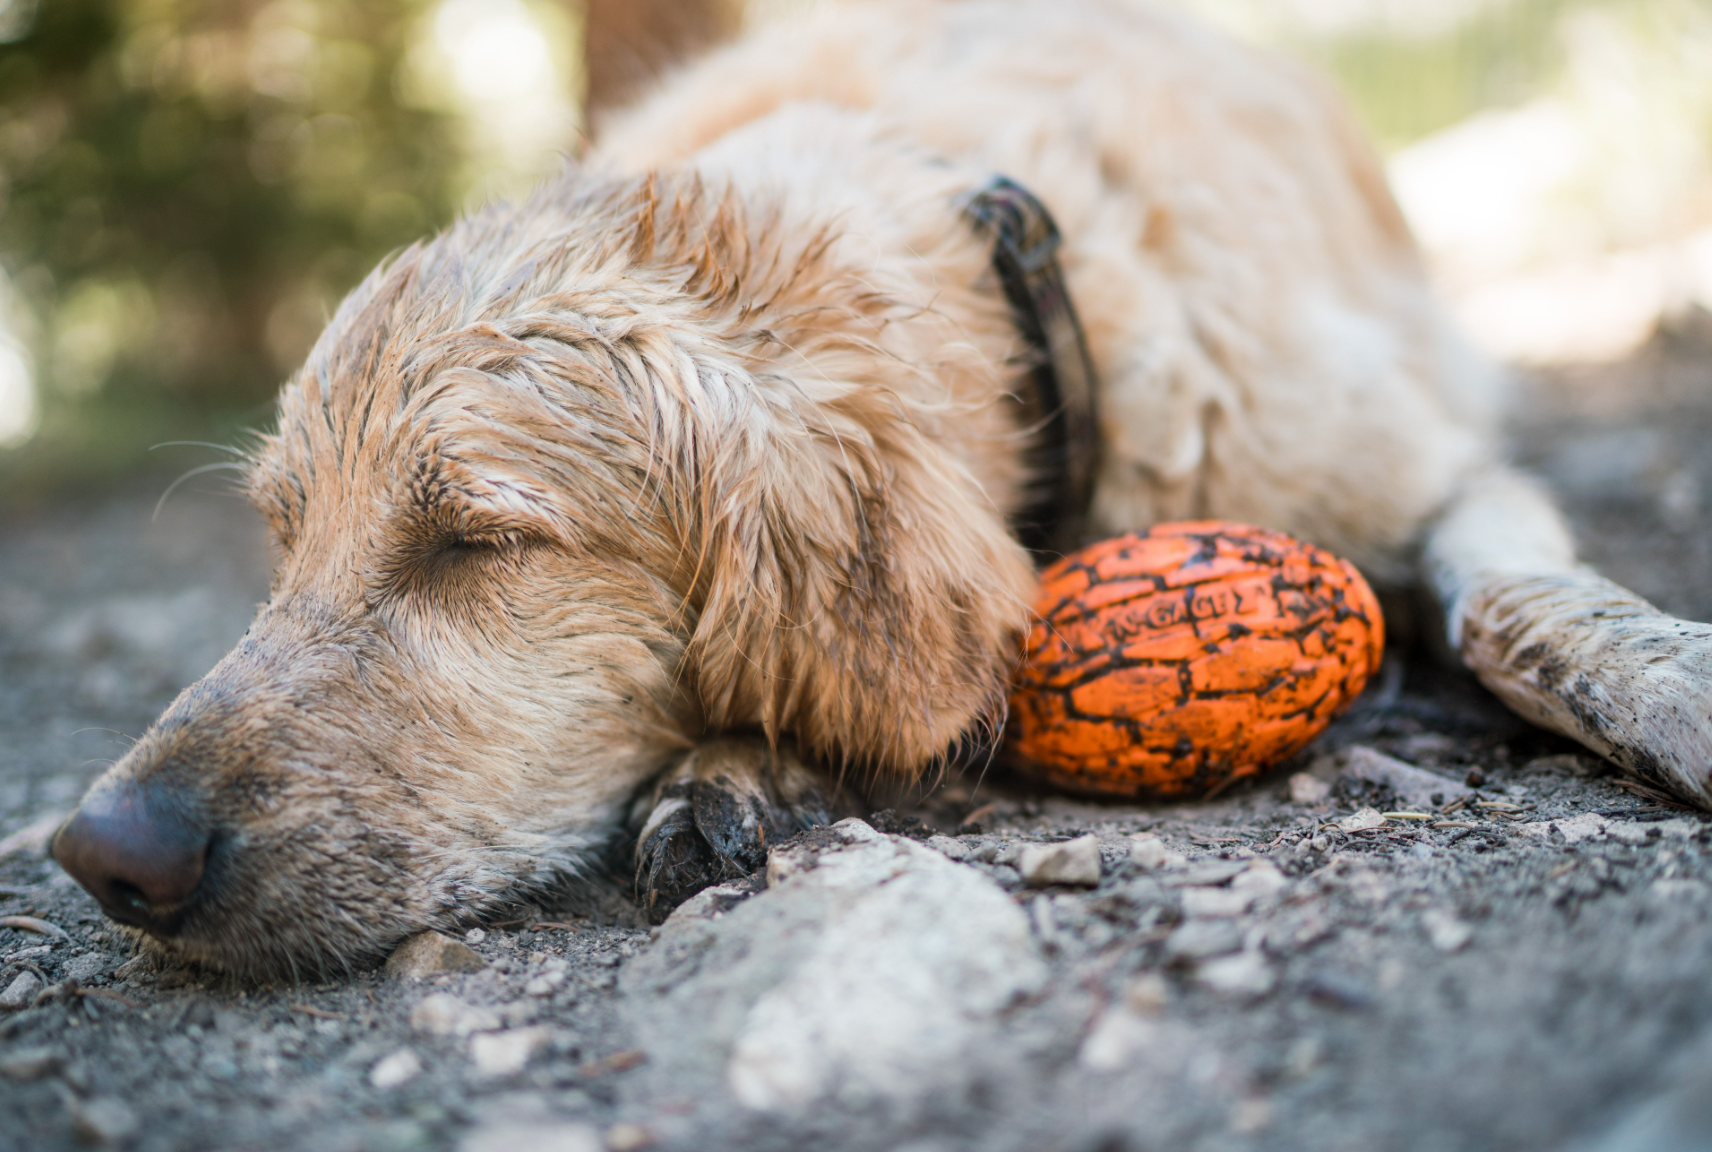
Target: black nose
[{"x": 136, "y": 850}]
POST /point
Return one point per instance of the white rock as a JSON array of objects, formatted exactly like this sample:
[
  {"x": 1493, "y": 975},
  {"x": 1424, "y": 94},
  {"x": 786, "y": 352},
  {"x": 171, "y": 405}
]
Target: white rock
[
  {"x": 531, "y": 1136},
  {"x": 1116, "y": 1038},
  {"x": 30, "y": 1063},
  {"x": 879, "y": 971},
  {"x": 102, "y": 1121},
  {"x": 1245, "y": 974},
  {"x": 1148, "y": 851},
  {"x": 505, "y": 1053},
  {"x": 474, "y": 936},
  {"x": 1587, "y": 826},
  {"x": 1363, "y": 820},
  {"x": 443, "y": 1014},
  {"x": 1630, "y": 832},
  {"x": 1445, "y": 930},
  {"x": 1199, "y": 939},
  {"x": 1308, "y": 790},
  {"x": 1070, "y": 862},
  {"x": 552, "y": 977},
  {"x": 1415, "y": 786},
  {"x": 1199, "y": 902},
  {"x": 21, "y": 992},
  {"x": 946, "y": 846},
  {"x": 391, "y": 1071},
  {"x": 1261, "y": 880},
  {"x": 1147, "y": 993}
]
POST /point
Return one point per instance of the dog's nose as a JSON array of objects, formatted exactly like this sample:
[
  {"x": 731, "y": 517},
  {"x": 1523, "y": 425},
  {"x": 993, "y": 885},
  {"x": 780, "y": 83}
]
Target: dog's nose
[{"x": 136, "y": 851}]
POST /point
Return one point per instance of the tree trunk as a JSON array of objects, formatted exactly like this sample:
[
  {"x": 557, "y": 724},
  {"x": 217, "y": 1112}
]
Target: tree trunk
[{"x": 630, "y": 44}]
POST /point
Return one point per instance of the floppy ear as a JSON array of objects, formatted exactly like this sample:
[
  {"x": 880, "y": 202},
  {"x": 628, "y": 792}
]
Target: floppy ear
[{"x": 854, "y": 586}]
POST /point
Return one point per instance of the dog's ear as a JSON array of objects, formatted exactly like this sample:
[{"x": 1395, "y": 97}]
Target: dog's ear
[{"x": 850, "y": 583}]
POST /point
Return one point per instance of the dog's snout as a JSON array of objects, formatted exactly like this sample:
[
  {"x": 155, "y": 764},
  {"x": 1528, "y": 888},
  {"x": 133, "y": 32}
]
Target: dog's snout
[{"x": 137, "y": 852}]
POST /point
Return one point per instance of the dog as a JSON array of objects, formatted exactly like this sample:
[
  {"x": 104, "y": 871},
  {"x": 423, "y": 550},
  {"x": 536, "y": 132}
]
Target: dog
[{"x": 659, "y": 503}]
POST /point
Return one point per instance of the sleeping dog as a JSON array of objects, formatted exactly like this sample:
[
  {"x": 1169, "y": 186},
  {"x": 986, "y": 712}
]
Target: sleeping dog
[{"x": 657, "y": 503}]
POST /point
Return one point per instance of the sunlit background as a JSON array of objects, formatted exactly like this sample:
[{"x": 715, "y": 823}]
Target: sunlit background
[{"x": 187, "y": 186}]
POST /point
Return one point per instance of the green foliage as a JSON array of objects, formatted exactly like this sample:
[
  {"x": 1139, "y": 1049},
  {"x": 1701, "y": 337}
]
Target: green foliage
[{"x": 188, "y": 185}]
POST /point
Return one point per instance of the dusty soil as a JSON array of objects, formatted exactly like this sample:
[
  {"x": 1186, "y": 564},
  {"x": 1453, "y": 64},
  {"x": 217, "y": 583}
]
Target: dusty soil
[{"x": 1524, "y": 982}]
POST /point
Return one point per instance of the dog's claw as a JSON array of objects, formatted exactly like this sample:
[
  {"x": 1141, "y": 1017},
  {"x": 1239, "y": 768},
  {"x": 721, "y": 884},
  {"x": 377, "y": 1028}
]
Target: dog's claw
[{"x": 700, "y": 833}]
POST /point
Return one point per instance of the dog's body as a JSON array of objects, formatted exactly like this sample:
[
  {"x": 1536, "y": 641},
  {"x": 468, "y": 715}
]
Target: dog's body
[{"x": 660, "y": 496}]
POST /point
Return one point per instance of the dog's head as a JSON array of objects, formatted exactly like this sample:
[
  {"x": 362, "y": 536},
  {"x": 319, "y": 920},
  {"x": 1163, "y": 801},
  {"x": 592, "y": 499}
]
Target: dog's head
[{"x": 553, "y": 495}]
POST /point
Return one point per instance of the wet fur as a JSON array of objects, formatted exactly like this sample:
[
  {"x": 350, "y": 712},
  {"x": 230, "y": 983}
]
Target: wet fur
[{"x": 714, "y": 435}]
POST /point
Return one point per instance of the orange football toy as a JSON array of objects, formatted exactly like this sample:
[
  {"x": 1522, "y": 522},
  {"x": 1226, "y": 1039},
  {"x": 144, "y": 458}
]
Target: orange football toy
[{"x": 1172, "y": 663}]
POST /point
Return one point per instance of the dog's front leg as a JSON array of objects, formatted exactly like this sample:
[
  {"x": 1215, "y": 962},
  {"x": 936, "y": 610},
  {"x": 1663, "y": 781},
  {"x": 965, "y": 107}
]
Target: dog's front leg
[
  {"x": 1567, "y": 648},
  {"x": 713, "y": 816}
]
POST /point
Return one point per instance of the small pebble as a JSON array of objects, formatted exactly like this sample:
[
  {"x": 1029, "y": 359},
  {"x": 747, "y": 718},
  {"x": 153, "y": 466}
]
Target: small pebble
[
  {"x": 103, "y": 1121},
  {"x": 1071, "y": 862},
  {"x": 21, "y": 992},
  {"x": 1147, "y": 850},
  {"x": 431, "y": 954},
  {"x": 1209, "y": 902},
  {"x": 1445, "y": 930},
  {"x": 630, "y": 1137},
  {"x": 29, "y": 1063},
  {"x": 946, "y": 846},
  {"x": 1338, "y": 991},
  {"x": 1308, "y": 790},
  {"x": 474, "y": 936},
  {"x": 509, "y": 1052},
  {"x": 1363, "y": 820},
  {"x": 532, "y": 1136},
  {"x": 391, "y": 1071},
  {"x": 135, "y": 966},
  {"x": 1200, "y": 939},
  {"x": 443, "y": 1014},
  {"x": 1147, "y": 993},
  {"x": 1246, "y": 974}
]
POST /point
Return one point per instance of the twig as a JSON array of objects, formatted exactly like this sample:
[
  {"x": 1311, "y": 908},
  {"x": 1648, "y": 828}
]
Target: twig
[
  {"x": 1407, "y": 815},
  {"x": 1454, "y": 824},
  {"x": 31, "y": 924},
  {"x": 617, "y": 1062},
  {"x": 318, "y": 1013}
]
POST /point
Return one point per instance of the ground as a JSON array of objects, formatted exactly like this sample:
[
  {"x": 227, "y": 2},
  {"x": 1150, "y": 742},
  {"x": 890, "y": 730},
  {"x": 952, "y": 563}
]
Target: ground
[{"x": 1263, "y": 974}]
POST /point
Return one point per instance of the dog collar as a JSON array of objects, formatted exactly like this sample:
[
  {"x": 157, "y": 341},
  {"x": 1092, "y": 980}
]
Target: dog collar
[{"x": 1059, "y": 394}]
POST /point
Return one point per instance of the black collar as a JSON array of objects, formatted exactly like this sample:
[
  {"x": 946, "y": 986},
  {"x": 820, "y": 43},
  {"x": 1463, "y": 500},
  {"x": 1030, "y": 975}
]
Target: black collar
[{"x": 1059, "y": 399}]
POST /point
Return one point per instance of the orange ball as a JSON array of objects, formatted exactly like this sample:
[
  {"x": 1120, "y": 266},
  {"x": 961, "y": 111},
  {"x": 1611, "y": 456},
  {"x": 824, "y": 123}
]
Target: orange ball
[{"x": 1172, "y": 663}]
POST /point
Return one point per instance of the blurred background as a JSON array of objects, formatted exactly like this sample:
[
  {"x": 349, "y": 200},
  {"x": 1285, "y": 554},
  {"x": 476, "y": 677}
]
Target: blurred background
[{"x": 188, "y": 186}]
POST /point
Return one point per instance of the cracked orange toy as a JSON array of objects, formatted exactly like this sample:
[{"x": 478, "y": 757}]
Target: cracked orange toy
[{"x": 1175, "y": 662}]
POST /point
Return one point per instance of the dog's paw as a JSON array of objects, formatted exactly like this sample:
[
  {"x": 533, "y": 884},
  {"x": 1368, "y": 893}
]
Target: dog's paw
[
  {"x": 699, "y": 833},
  {"x": 714, "y": 817}
]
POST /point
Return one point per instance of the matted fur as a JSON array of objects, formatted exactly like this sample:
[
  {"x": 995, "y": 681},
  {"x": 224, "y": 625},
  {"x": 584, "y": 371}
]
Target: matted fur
[{"x": 714, "y": 433}]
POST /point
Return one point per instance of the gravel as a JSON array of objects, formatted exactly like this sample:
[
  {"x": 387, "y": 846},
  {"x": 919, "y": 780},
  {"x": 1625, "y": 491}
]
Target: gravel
[{"x": 1286, "y": 967}]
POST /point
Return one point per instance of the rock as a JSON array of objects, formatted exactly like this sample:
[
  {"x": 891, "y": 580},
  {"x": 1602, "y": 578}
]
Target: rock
[
  {"x": 1115, "y": 1039},
  {"x": 103, "y": 1120},
  {"x": 1629, "y": 832},
  {"x": 1445, "y": 930},
  {"x": 630, "y": 1137},
  {"x": 532, "y": 1136},
  {"x": 474, "y": 936},
  {"x": 952, "y": 849},
  {"x": 21, "y": 992},
  {"x": 30, "y": 1063},
  {"x": 1200, "y": 939},
  {"x": 393, "y": 1070},
  {"x": 1215, "y": 902},
  {"x": 1336, "y": 990},
  {"x": 85, "y": 969},
  {"x": 135, "y": 966},
  {"x": 1246, "y": 974},
  {"x": 431, "y": 954},
  {"x": 443, "y": 1014},
  {"x": 554, "y": 974},
  {"x": 1147, "y": 993},
  {"x": 1070, "y": 862},
  {"x": 1362, "y": 820},
  {"x": 875, "y": 969},
  {"x": 1148, "y": 851},
  {"x": 508, "y": 1052},
  {"x": 1205, "y": 873},
  {"x": 1414, "y": 786},
  {"x": 1308, "y": 790},
  {"x": 1261, "y": 880}
]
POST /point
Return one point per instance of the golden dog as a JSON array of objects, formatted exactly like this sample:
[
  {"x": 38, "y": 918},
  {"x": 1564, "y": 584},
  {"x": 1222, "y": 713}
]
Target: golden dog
[{"x": 659, "y": 499}]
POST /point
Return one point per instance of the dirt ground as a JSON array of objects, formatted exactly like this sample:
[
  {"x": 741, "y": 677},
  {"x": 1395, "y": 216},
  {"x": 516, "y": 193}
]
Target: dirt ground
[{"x": 1533, "y": 980}]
